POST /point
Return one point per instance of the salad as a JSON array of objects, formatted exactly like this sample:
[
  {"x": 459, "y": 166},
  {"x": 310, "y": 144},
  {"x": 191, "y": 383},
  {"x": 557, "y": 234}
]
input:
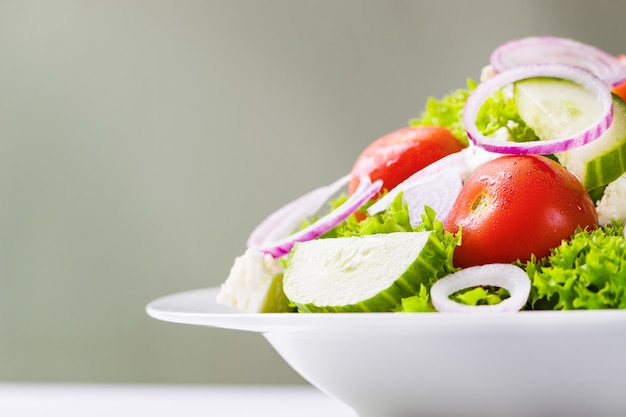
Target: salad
[{"x": 507, "y": 194}]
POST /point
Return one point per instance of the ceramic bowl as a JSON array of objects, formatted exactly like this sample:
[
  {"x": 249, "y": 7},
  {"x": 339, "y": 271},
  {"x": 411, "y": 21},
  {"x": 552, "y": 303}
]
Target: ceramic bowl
[{"x": 525, "y": 364}]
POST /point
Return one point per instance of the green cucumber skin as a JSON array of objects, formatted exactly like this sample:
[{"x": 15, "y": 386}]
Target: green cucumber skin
[
  {"x": 408, "y": 284},
  {"x": 597, "y": 163},
  {"x": 614, "y": 161}
]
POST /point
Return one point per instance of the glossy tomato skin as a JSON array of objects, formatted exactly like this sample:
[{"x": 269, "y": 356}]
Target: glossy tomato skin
[
  {"x": 399, "y": 154},
  {"x": 516, "y": 206}
]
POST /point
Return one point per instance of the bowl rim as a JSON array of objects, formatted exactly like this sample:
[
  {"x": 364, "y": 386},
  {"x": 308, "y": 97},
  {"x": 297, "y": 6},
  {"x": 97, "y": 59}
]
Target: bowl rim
[{"x": 199, "y": 307}]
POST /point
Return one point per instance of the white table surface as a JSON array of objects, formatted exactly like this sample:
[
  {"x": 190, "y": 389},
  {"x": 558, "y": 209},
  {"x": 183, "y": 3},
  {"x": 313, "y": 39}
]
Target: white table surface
[{"x": 100, "y": 400}]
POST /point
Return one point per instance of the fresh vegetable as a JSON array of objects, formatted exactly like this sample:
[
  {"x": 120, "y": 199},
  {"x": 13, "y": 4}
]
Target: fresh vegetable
[
  {"x": 436, "y": 185},
  {"x": 515, "y": 207},
  {"x": 447, "y": 112},
  {"x": 395, "y": 218},
  {"x": 399, "y": 154},
  {"x": 598, "y": 90},
  {"x": 603, "y": 160},
  {"x": 514, "y": 224},
  {"x": 273, "y": 238},
  {"x": 585, "y": 272},
  {"x": 556, "y": 108},
  {"x": 285, "y": 220},
  {"x": 510, "y": 277},
  {"x": 560, "y": 108},
  {"x": 362, "y": 273},
  {"x": 550, "y": 49}
]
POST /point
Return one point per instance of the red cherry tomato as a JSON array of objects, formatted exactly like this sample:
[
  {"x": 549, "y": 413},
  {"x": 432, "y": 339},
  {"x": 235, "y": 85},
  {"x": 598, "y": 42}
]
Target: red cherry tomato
[
  {"x": 399, "y": 154},
  {"x": 515, "y": 206}
]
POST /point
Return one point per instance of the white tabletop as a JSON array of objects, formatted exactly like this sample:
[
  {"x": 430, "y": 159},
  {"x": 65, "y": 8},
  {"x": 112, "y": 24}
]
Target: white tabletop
[{"x": 98, "y": 400}]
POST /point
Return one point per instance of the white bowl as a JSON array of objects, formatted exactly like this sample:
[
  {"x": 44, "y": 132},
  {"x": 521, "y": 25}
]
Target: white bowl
[{"x": 526, "y": 364}]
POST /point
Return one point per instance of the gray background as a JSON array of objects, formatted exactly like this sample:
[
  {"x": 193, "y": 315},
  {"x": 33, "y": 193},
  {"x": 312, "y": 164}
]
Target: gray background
[{"x": 140, "y": 142}]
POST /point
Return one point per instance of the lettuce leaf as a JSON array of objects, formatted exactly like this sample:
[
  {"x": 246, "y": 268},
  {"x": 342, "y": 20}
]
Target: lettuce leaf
[
  {"x": 447, "y": 112},
  {"x": 586, "y": 272},
  {"x": 500, "y": 111},
  {"x": 497, "y": 112},
  {"x": 394, "y": 219},
  {"x": 481, "y": 296},
  {"x": 419, "y": 303}
]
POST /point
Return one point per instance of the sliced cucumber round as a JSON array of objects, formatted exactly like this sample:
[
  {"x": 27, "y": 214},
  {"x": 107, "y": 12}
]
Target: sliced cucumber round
[
  {"x": 558, "y": 108},
  {"x": 604, "y": 160},
  {"x": 361, "y": 273},
  {"x": 555, "y": 108}
]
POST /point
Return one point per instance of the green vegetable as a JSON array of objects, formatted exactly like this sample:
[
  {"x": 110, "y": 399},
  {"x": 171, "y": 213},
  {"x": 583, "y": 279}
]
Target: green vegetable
[
  {"x": 362, "y": 273},
  {"x": 560, "y": 108},
  {"x": 447, "y": 112},
  {"x": 499, "y": 111},
  {"x": 419, "y": 303},
  {"x": 394, "y": 219},
  {"x": 602, "y": 161},
  {"x": 586, "y": 272},
  {"x": 555, "y": 108},
  {"x": 481, "y": 296},
  {"x": 437, "y": 255}
]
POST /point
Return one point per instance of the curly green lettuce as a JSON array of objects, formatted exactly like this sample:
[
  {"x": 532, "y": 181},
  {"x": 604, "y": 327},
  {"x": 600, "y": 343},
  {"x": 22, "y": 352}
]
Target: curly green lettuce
[
  {"x": 585, "y": 272},
  {"x": 447, "y": 112},
  {"x": 500, "y": 111},
  {"x": 497, "y": 112},
  {"x": 394, "y": 219}
]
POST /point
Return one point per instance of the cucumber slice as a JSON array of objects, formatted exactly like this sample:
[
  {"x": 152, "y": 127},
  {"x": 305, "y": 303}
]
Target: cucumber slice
[
  {"x": 602, "y": 161},
  {"x": 555, "y": 108},
  {"x": 558, "y": 108},
  {"x": 361, "y": 273}
]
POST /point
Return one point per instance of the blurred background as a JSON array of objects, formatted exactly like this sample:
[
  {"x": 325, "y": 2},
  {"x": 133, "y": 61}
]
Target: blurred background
[{"x": 142, "y": 140}]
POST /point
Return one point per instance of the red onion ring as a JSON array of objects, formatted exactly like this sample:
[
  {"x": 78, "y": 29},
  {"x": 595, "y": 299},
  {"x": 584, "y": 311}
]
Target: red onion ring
[
  {"x": 554, "y": 50},
  {"x": 507, "y": 276},
  {"x": 286, "y": 219},
  {"x": 273, "y": 235},
  {"x": 544, "y": 147}
]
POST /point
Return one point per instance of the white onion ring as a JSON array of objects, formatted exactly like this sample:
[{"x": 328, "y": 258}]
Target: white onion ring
[
  {"x": 437, "y": 191},
  {"x": 554, "y": 50},
  {"x": 273, "y": 235},
  {"x": 543, "y": 147},
  {"x": 462, "y": 163},
  {"x": 507, "y": 276}
]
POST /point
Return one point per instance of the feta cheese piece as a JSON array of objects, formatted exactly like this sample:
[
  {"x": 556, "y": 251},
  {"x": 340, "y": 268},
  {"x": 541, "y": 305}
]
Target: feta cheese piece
[
  {"x": 612, "y": 205},
  {"x": 254, "y": 285}
]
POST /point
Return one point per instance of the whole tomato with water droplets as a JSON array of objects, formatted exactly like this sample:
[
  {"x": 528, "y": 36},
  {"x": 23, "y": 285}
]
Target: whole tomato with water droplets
[
  {"x": 399, "y": 154},
  {"x": 516, "y": 206}
]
